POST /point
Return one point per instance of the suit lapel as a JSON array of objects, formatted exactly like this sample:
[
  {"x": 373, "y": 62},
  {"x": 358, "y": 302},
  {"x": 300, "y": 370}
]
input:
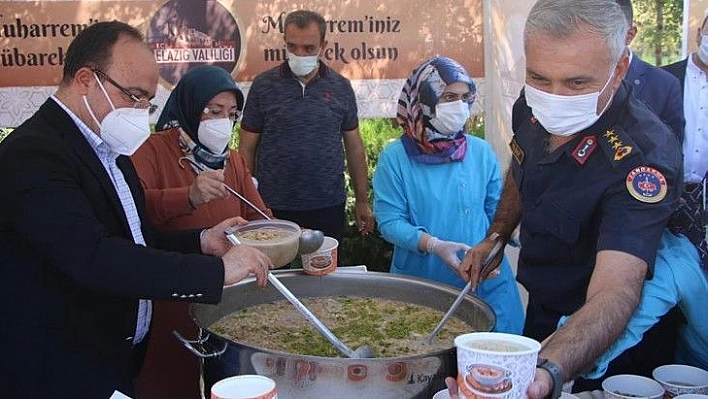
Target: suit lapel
[
  {"x": 62, "y": 123},
  {"x": 635, "y": 75}
]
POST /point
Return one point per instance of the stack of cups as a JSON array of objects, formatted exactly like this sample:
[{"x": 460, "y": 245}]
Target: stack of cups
[
  {"x": 244, "y": 387},
  {"x": 495, "y": 365}
]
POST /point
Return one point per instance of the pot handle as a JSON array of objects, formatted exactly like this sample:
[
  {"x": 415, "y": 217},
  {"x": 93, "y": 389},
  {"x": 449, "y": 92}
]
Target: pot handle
[{"x": 190, "y": 347}]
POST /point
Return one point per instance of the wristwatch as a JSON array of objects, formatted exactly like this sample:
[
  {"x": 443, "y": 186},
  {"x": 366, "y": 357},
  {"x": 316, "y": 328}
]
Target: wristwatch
[{"x": 556, "y": 373}]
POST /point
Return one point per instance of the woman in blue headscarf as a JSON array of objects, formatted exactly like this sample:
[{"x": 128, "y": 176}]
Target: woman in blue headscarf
[
  {"x": 196, "y": 124},
  {"x": 436, "y": 188}
]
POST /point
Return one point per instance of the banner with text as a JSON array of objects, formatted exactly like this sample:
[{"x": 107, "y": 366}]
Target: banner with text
[{"x": 367, "y": 39}]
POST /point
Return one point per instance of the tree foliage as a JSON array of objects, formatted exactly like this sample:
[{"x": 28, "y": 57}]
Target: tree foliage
[{"x": 660, "y": 28}]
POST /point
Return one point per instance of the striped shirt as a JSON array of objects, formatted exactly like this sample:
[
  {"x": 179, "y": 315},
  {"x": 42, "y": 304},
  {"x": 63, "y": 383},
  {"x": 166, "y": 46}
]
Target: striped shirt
[{"x": 108, "y": 160}]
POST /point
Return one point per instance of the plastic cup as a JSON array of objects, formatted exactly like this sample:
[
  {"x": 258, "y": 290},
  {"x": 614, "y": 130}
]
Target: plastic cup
[
  {"x": 442, "y": 394},
  {"x": 323, "y": 260},
  {"x": 629, "y": 386},
  {"x": 680, "y": 379},
  {"x": 495, "y": 365},
  {"x": 244, "y": 387}
]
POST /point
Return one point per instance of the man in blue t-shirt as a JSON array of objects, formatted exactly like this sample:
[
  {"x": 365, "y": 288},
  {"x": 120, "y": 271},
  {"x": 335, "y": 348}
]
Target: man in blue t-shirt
[{"x": 296, "y": 117}]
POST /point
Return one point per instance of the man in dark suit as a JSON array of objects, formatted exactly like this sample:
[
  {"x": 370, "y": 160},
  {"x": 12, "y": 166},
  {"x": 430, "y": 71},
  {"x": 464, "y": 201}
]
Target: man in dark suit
[
  {"x": 690, "y": 219},
  {"x": 79, "y": 266},
  {"x": 660, "y": 91}
]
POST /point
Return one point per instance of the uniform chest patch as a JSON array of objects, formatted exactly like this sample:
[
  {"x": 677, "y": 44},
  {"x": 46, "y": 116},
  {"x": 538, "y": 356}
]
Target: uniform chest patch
[
  {"x": 516, "y": 151},
  {"x": 646, "y": 184},
  {"x": 585, "y": 148}
]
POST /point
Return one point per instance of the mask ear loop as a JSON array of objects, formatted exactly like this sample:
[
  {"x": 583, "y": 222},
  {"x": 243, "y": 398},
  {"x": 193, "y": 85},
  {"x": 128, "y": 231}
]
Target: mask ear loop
[
  {"x": 88, "y": 107},
  {"x": 609, "y": 100},
  {"x": 103, "y": 89}
]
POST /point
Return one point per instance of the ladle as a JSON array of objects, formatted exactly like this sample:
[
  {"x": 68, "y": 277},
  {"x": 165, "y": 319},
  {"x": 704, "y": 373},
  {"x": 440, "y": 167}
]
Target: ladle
[
  {"x": 361, "y": 352},
  {"x": 309, "y": 241},
  {"x": 486, "y": 268}
]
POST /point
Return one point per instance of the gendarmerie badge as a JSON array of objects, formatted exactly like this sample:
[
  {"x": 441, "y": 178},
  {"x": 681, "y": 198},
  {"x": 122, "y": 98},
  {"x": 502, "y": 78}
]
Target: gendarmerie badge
[
  {"x": 516, "y": 151},
  {"x": 646, "y": 184},
  {"x": 585, "y": 148}
]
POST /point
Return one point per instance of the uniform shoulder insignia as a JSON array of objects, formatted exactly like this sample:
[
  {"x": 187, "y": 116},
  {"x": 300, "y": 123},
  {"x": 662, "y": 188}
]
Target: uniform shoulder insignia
[
  {"x": 646, "y": 184},
  {"x": 617, "y": 144},
  {"x": 585, "y": 148},
  {"x": 516, "y": 151}
]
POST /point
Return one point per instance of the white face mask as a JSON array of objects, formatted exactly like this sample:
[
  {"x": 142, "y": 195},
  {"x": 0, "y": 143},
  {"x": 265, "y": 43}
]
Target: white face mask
[
  {"x": 124, "y": 130},
  {"x": 450, "y": 117},
  {"x": 565, "y": 115},
  {"x": 703, "y": 49},
  {"x": 301, "y": 66},
  {"x": 214, "y": 134}
]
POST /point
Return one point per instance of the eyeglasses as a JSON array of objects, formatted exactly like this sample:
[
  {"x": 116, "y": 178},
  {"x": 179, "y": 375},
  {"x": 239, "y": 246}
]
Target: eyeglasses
[
  {"x": 216, "y": 112},
  {"x": 449, "y": 97},
  {"x": 140, "y": 103}
]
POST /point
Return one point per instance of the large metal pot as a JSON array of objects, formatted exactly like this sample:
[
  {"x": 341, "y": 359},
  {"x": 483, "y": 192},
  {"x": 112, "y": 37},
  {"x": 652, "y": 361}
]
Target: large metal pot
[{"x": 299, "y": 376}]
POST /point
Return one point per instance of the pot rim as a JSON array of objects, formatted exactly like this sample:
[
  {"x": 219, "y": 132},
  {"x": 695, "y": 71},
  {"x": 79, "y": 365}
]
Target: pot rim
[{"x": 283, "y": 275}]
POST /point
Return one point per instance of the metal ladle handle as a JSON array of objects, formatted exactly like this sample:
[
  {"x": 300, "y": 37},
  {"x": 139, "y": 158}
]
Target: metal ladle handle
[
  {"x": 499, "y": 243},
  {"x": 310, "y": 316},
  {"x": 301, "y": 307},
  {"x": 200, "y": 168}
]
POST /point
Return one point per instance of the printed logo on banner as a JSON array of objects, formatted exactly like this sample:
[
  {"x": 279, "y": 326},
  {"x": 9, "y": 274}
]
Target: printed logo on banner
[{"x": 185, "y": 34}]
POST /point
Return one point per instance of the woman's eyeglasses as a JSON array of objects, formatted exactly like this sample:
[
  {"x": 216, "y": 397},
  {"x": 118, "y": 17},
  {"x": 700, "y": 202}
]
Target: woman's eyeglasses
[
  {"x": 140, "y": 103},
  {"x": 216, "y": 112}
]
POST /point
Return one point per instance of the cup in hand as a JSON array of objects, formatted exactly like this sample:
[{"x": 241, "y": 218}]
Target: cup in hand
[{"x": 495, "y": 364}]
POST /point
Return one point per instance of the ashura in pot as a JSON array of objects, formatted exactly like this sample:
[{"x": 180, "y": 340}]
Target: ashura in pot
[
  {"x": 299, "y": 376},
  {"x": 390, "y": 328}
]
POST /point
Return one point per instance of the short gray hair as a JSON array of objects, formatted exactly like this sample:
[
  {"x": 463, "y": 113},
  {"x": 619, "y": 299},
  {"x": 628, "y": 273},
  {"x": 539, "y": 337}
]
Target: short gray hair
[{"x": 560, "y": 18}]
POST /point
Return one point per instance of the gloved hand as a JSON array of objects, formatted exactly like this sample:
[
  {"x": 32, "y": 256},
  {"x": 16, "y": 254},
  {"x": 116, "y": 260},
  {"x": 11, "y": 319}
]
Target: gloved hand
[{"x": 446, "y": 250}]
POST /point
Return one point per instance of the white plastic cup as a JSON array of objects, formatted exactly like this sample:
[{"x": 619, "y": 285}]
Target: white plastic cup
[
  {"x": 244, "y": 387},
  {"x": 495, "y": 365},
  {"x": 629, "y": 386},
  {"x": 323, "y": 260},
  {"x": 442, "y": 394},
  {"x": 680, "y": 379}
]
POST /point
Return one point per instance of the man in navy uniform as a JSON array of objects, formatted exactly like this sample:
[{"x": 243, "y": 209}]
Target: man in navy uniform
[{"x": 594, "y": 177}]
